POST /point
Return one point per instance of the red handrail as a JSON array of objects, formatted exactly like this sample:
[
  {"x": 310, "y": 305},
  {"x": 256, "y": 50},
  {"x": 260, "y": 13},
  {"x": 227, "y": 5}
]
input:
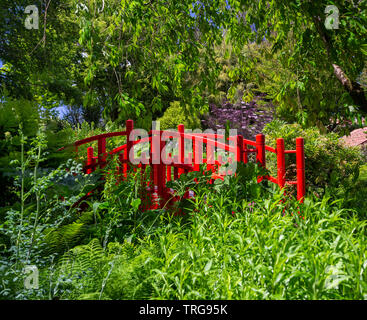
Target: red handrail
[{"x": 161, "y": 170}]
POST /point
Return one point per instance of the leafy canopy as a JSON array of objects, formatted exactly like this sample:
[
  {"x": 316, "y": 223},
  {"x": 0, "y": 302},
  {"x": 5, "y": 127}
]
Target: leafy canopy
[{"x": 133, "y": 58}]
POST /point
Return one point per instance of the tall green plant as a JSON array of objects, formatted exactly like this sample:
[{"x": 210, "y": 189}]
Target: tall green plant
[{"x": 40, "y": 207}]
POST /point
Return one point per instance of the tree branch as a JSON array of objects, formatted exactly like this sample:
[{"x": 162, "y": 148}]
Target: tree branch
[{"x": 354, "y": 89}]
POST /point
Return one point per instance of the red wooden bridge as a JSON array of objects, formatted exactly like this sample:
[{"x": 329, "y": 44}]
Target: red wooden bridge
[{"x": 165, "y": 167}]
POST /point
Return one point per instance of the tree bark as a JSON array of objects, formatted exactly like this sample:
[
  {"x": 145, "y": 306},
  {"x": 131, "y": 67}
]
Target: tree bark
[{"x": 354, "y": 89}]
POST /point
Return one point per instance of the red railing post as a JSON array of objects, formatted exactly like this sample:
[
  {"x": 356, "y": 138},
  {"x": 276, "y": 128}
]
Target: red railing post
[
  {"x": 210, "y": 160},
  {"x": 154, "y": 150},
  {"x": 260, "y": 148},
  {"x": 198, "y": 153},
  {"x": 260, "y": 153},
  {"x": 169, "y": 168},
  {"x": 175, "y": 169},
  {"x": 129, "y": 144},
  {"x": 281, "y": 162},
  {"x": 239, "y": 149},
  {"x": 181, "y": 147},
  {"x": 161, "y": 168},
  {"x": 90, "y": 159},
  {"x": 102, "y": 152},
  {"x": 301, "y": 181},
  {"x": 194, "y": 154}
]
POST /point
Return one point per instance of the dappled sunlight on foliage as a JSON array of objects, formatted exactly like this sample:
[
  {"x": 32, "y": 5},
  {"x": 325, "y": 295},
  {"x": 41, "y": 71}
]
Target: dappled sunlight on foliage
[{"x": 97, "y": 226}]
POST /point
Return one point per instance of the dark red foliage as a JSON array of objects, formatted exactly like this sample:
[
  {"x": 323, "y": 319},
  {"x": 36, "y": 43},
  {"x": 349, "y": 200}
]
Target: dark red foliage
[{"x": 249, "y": 118}]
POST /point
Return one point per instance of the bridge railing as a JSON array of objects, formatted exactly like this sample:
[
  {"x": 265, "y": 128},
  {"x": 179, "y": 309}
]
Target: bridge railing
[{"x": 162, "y": 170}]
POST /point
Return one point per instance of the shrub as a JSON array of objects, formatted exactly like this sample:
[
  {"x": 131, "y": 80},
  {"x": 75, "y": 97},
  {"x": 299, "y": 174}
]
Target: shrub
[
  {"x": 249, "y": 118},
  {"x": 328, "y": 161},
  {"x": 364, "y": 152},
  {"x": 226, "y": 250},
  {"x": 177, "y": 114}
]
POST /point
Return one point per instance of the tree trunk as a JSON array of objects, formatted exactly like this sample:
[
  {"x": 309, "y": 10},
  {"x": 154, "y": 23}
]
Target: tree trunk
[{"x": 354, "y": 89}]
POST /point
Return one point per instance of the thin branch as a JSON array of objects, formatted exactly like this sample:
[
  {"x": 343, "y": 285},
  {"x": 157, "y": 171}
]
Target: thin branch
[
  {"x": 45, "y": 23},
  {"x": 43, "y": 39}
]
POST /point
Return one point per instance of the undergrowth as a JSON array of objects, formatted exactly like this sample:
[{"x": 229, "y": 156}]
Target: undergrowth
[
  {"x": 236, "y": 239},
  {"x": 247, "y": 251}
]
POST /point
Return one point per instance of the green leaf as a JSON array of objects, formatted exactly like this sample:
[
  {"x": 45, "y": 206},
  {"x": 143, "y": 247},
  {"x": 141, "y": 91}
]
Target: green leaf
[
  {"x": 135, "y": 204},
  {"x": 208, "y": 266}
]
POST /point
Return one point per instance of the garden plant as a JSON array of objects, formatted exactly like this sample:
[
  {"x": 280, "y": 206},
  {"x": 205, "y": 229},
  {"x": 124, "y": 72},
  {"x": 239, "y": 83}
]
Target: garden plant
[{"x": 79, "y": 220}]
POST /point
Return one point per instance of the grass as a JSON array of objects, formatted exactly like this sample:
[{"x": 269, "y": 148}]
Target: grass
[
  {"x": 225, "y": 249},
  {"x": 237, "y": 240}
]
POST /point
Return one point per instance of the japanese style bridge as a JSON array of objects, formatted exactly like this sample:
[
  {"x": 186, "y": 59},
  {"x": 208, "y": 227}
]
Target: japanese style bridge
[{"x": 164, "y": 167}]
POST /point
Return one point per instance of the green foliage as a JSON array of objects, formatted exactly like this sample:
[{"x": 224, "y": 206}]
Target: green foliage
[
  {"x": 310, "y": 97},
  {"x": 67, "y": 236},
  {"x": 85, "y": 130},
  {"x": 237, "y": 240},
  {"x": 328, "y": 161},
  {"x": 43, "y": 203},
  {"x": 353, "y": 194},
  {"x": 134, "y": 59},
  {"x": 296, "y": 32},
  {"x": 231, "y": 250},
  {"x": 82, "y": 261},
  {"x": 41, "y": 65},
  {"x": 177, "y": 114},
  {"x": 231, "y": 81},
  {"x": 24, "y": 114},
  {"x": 363, "y": 77}
]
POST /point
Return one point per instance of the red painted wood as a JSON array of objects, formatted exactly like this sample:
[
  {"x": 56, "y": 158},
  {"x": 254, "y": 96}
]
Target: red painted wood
[
  {"x": 102, "y": 152},
  {"x": 196, "y": 158},
  {"x": 98, "y": 137},
  {"x": 270, "y": 178},
  {"x": 281, "y": 162},
  {"x": 161, "y": 169},
  {"x": 90, "y": 159},
  {"x": 301, "y": 181},
  {"x": 181, "y": 146},
  {"x": 161, "y": 173},
  {"x": 210, "y": 154},
  {"x": 260, "y": 148},
  {"x": 239, "y": 153},
  {"x": 271, "y": 149},
  {"x": 129, "y": 142},
  {"x": 154, "y": 166},
  {"x": 291, "y": 182},
  {"x": 125, "y": 164}
]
